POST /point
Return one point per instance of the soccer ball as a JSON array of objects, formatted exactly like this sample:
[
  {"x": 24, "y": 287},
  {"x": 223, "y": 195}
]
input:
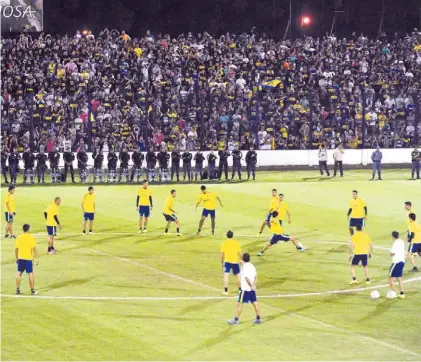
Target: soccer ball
[
  {"x": 375, "y": 294},
  {"x": 391, "y": 294}
]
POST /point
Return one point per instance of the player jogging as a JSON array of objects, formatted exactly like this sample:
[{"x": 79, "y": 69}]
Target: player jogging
[
  {"x": 398, "y": 263},
  {"x": 278, "y": 235},
  {"x": 230, "y": 259},
  {"x": 248, "y": 291},
  {"x": 209, "y": 205},
  {"x": 273, "y": 206},
  {"x": 25, "y": 252},
  {"x": 360, "y": 251},
  {"x": 357, "y": 211},
  {"x": 283, "y": 209},
  {"x": 52, "y": 221},
  {"x": 414, "y": 241},
  {"x": 10, "y": 211},
  {"x": 409, "y": 210},
  {"x": 144, "y": 206},
  {"x": 88, "y": 208},
  {"x": 169, "y": 213}
]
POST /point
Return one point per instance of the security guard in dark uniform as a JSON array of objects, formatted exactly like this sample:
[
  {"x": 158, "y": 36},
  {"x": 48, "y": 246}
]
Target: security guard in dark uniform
[
  {"x": 13, "y": 166},
  {"x": 112, "y": 166},
  {"x": 150, "y": 165},
  {"x": 82, "y": 165},
  {"x": 68, "y": 158},
  {"x": 212, "y": 166},
  {"x": 137, "y": 159},
  {"x": 124, "y": 165},
  {"x": 54, "y": 158},
  {"x": 41, "y": 166},
  {"x": 28, "y": 165},
  {"x": 98, "y": 157},
  {"x": 4, "y": 157},
  {"x": 163, "y": 159},
  {"x": 251, "y": 161},
  {"x": 175, "y": 165},
  {"x": 187, "y": 157},
  {"x": 198, "y": 169},
  {"x": 223, "y": 163},
  {"x": 236, "y": 162},
  {"x": 416, "y": 160}
]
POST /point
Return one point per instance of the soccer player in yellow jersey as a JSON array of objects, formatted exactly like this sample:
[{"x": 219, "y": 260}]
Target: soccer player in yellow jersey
[
  {"x": 25, "y": 252},
  {"x": 360, "y": 250},
  {"x": 273, "y": 206},
  {"x": 52, "y": 221},
  {"x": 144, "y": 206},
  {"x": 230, "y": 259},
  {"x": 169, "y": 213},
  {"x": 414, "y": 240},
  {"x": 357, "y": 211},
  {"x": 10, "y": 211},
  {"x": 88, "y": 208},
  {"x": 283, "y": 209},
  {"x": 409, "y": 210},
  {"x": 278, "y": 235},
  {"x": 209, "y": 206}
]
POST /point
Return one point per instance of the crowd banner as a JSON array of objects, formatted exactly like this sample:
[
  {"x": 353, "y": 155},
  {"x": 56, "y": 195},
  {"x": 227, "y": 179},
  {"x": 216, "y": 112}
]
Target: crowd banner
[{"x": 294, "y": 158}]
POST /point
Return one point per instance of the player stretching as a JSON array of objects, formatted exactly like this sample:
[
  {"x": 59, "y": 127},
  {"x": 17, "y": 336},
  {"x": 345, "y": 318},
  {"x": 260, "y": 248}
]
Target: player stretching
[
  {"x": 51, "y": 221},
  {"x": 360, "y": 249},
  {"x": 230, "y": 259},
  {"x": 414, "y": 240},
  {"x": 357, "y": 211},
  {"x": 88, "y": 208},
  {"x": 278, "y": 235},
  {"x": 144, "y": 206},
  {"x": 409, "y": 210},
  {"x": 169, "y": 213},
  {"x": 209, "y": 205},
  {"x": 273, "y": 206},
  {"x": 10, "y": 211}
]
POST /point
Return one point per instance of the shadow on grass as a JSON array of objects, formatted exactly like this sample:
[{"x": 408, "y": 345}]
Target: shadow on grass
[{"x": 66, "y": 283}]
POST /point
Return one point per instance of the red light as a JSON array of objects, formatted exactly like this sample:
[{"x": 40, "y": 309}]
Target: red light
[{"x": 305, "y": 20}]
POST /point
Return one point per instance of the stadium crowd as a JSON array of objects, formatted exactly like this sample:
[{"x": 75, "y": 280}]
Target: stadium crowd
[{"x": 199, "y": 92}]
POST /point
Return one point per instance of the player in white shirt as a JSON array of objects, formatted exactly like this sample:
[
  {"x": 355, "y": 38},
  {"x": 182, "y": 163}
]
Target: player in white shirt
[
  {"x": 248, "y": 291},
  {"x": 398, "y": 262}
]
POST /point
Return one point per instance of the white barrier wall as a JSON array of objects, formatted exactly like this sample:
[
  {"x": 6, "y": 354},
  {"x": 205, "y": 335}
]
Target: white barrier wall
[{"x": 298, "y": 158}]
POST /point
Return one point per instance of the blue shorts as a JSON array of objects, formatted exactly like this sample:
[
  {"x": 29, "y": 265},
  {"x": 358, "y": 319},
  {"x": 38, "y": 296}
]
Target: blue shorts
[
  {"x": 170, "y": 218},
  {"x": 25, "y": 265},
  {"x": 363, "y": 258},
  {"x": 414, "y": 248},
  {"x": 52, "y": 230},
  {"x": 89, "y": 216},
  {"x": 235, "y": 267},
  {"x": 247, "y": 297},
  {"x": 396, "y": 270},
  {"x": 275, "y": 238},
  {"x": 144, "y": 211},
  {"x": 356, "y": 222},
  {"x": 207, "y": 212},
  {"x": 9, "y": 217}
]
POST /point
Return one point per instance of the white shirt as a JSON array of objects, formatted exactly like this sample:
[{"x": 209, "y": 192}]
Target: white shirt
[
  {"x": 247, "y": 271},
  {"x": 338, "y": 154},
  {"x": 398, "y": 248}
]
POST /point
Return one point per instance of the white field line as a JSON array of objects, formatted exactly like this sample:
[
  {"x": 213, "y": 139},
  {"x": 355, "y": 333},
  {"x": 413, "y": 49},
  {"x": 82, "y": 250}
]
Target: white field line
[{"x": 272, "y": 296}]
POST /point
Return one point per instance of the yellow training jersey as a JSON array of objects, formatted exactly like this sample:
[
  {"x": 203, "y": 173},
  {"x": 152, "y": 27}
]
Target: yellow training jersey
[
  {"x": 169, "y": 206},
  {"x": 274, "y": 203},
  {"x": 412, "y": 211},
  {"x": 51, "y": 211},
  {"x": 88, "y": 203},
  {"x": 357, "y": 206},
  {"x": 231, "y": 248},
  {"x": 275, "y": 226},
  {"x": 361, "y": 242},
  {"x": 25, "y": 243},
  {"x": 416, "y": 229},
  {"x": 282, "y": 210},
  {"x": 208, "y": 199},
  {"x": 144, "y": 195},
  {"x": 9, "y": 201}
]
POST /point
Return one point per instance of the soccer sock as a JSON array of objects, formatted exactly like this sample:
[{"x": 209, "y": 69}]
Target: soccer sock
[
  {"x": 257, "y": 317},
  {"x": 226, "y": 290},
  {"x": 354, "y": 278},
  {"x": 367, "y": 279},
  {"x": 239, "y": 289},
  {"x": 166, "y": 230},
  {"x": 90, "y": 230},
  {"x": 199, "y": 230},
  {"x": 84, "y": 231},
  {"x": 262, "y": 251},
  {"x": 32, "y": 290},
  {"x": 178, "y": 230},
  {"x": 143, "y": 228},
  {"x": 401, "y": 293},
  {"x": 236, "y": 319},
  {"x": 299, "y": 246}
]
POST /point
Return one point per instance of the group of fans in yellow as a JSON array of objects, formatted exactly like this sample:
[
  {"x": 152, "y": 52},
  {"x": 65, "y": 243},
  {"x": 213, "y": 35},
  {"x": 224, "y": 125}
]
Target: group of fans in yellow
[{"x": 232, "y": 258}]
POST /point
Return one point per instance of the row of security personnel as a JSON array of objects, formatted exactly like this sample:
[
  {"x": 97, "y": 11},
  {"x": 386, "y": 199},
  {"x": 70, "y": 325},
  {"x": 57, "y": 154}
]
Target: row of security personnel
[{"x": 157, "y": 165}]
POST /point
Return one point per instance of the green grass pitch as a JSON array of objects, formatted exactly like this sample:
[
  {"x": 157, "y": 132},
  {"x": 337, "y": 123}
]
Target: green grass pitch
[{"x": 152, "y": 297}]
